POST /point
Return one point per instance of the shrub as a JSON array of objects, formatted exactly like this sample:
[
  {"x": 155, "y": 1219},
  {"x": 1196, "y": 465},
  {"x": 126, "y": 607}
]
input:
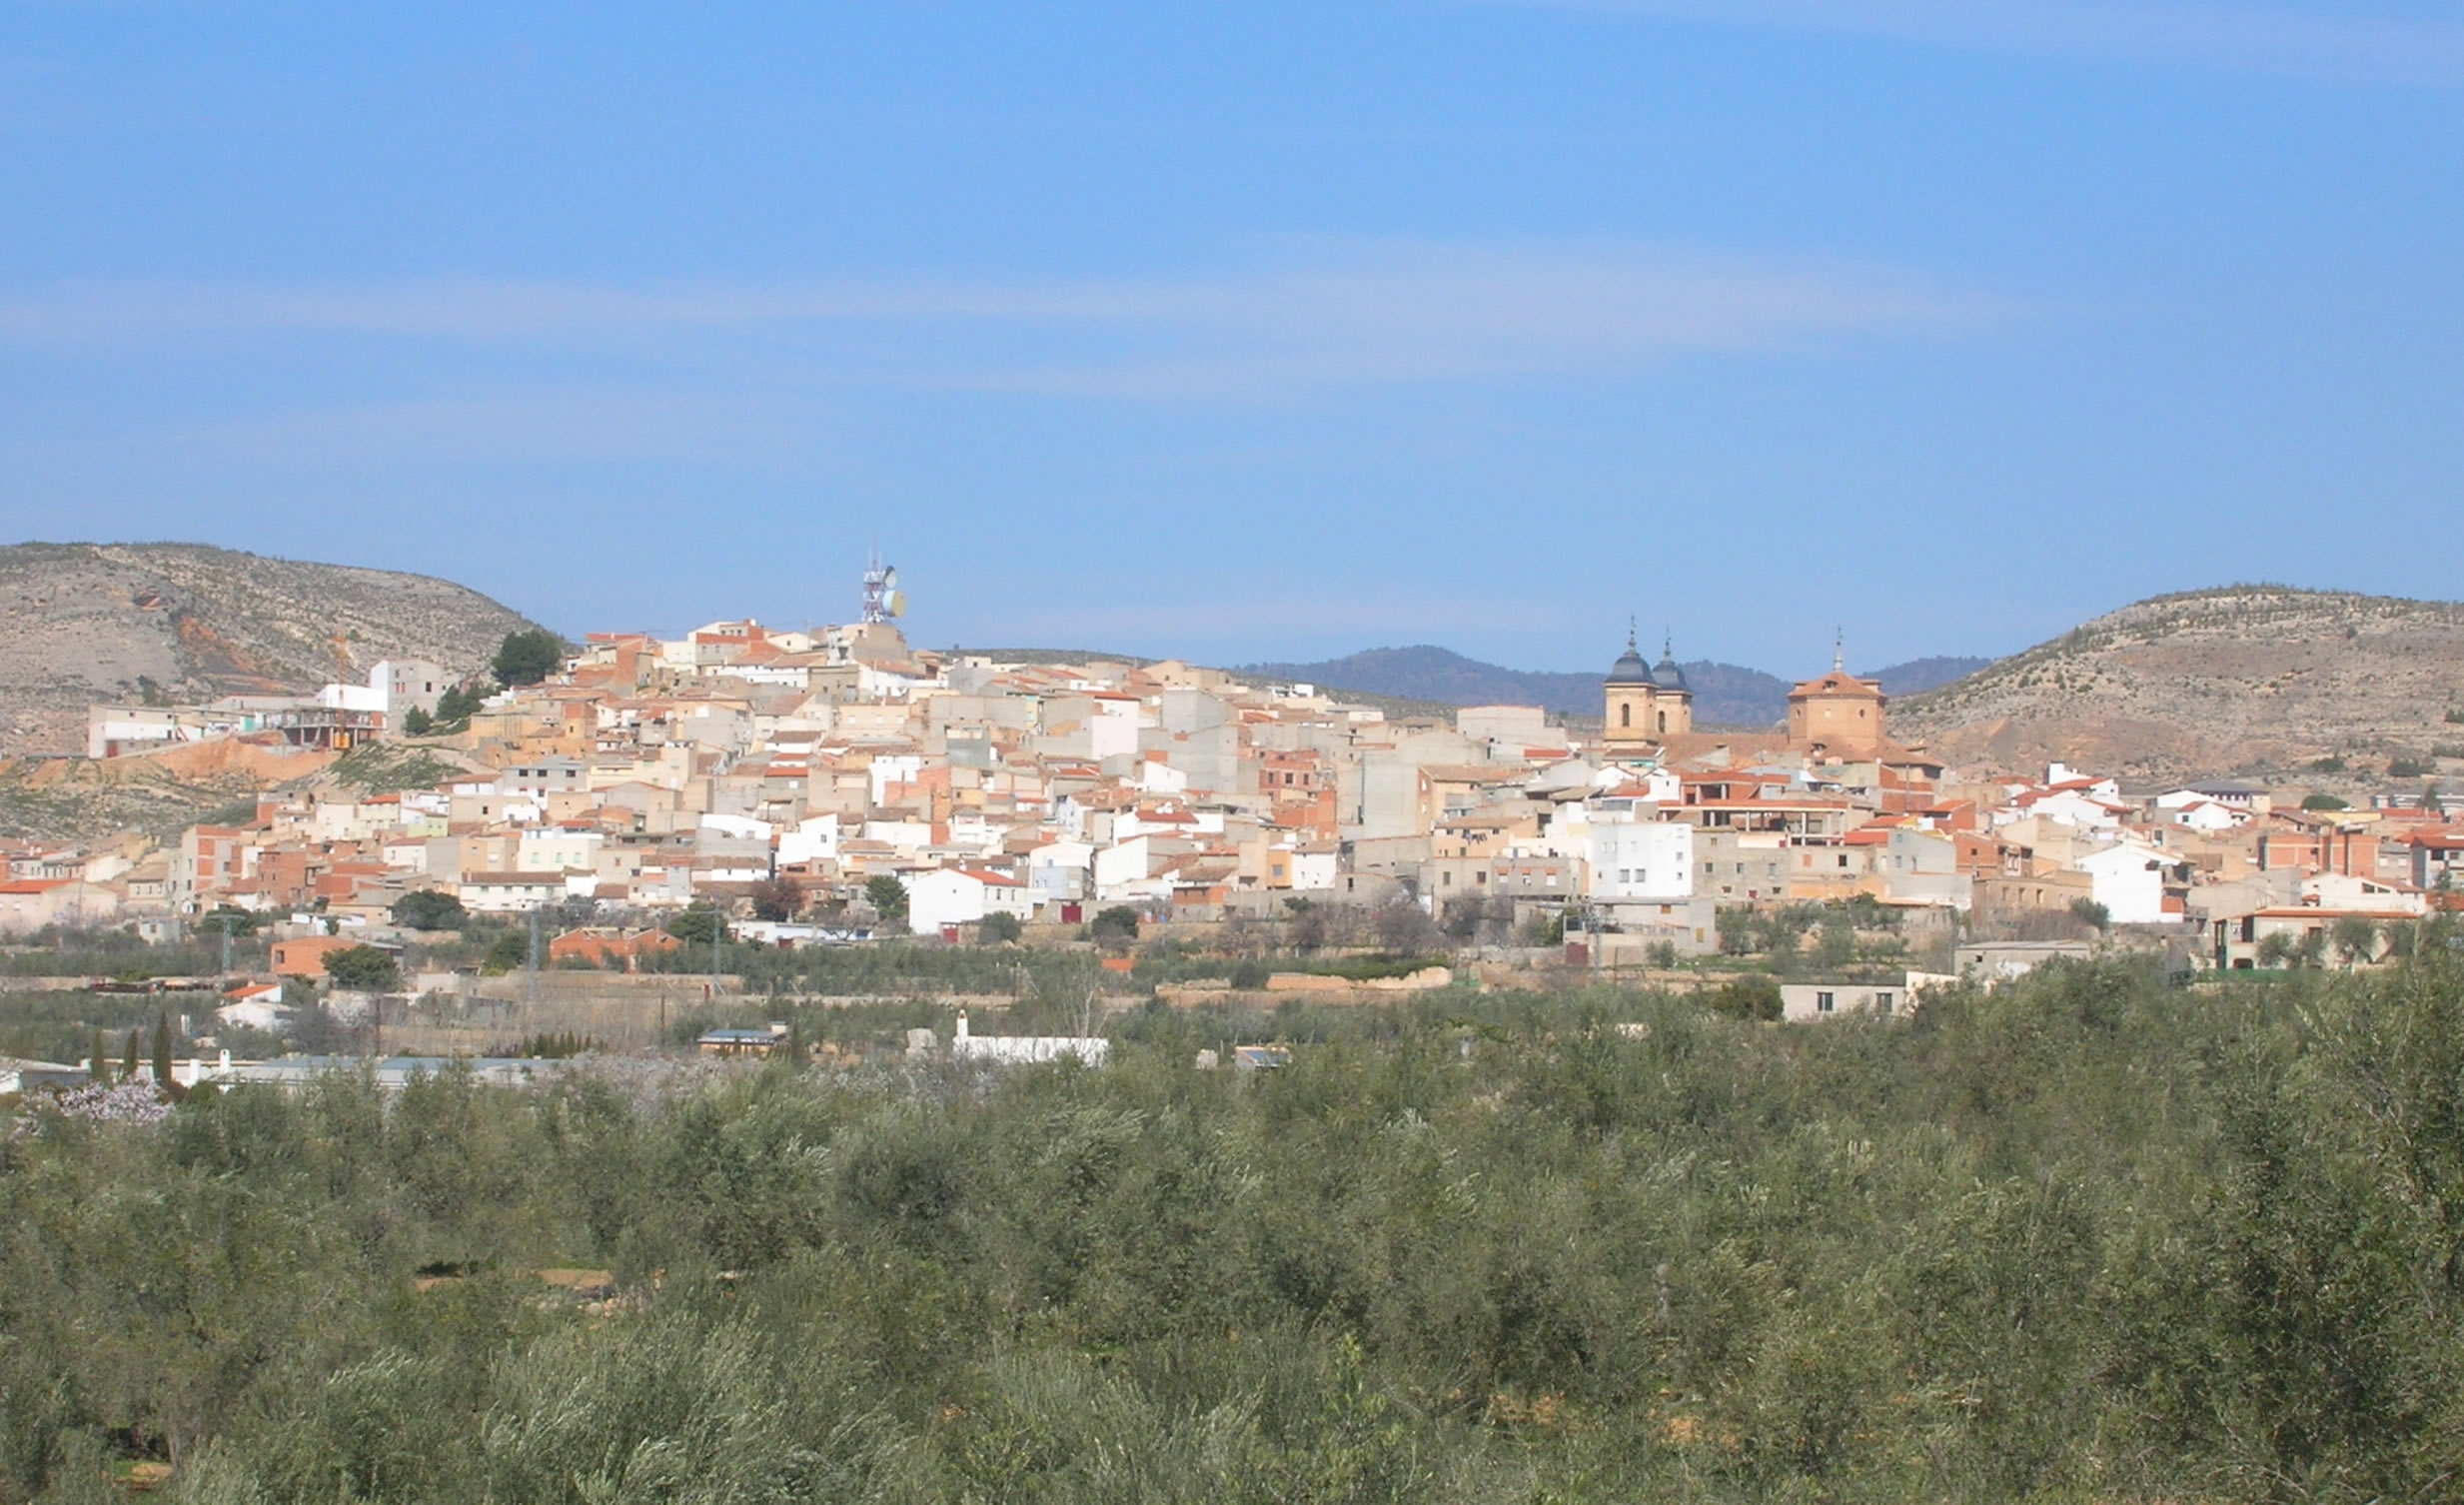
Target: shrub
[
  {"x": 696, "y": 924},
  {"x": 887, "y": 895},
  {"x": 364, "y": 969},
  {"x": 526, "y": 658},
  {"x": 238, "y": 921},
  {"x": 1115, "y": 926},
  {"x": 777, "y": 899},
  {"x": 429, "y": 909},
  {"x": 1753, "y": 996},
  {"x": 511, "y": 950},
  {"x": 454, "y": 709}
]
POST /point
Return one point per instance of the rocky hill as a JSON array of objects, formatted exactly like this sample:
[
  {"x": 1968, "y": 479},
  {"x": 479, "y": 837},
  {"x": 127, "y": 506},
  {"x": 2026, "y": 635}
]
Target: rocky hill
[
  {"x": 81, "y": 622},
  {"x": 2240, "y": 680}
]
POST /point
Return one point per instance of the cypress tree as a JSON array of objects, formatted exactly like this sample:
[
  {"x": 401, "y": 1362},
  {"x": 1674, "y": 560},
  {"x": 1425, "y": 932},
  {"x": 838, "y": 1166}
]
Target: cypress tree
[
  {"x": 161, "y": 1053},
  {"x": 98, "y": 1066},
  {"x": 130, "y": 1057}
]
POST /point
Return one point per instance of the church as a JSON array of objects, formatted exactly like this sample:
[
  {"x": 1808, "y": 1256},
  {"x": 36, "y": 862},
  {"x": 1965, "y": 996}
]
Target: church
[
  {"x": 1839, "y": 715},
  {"x": 1646, "y": 703}
]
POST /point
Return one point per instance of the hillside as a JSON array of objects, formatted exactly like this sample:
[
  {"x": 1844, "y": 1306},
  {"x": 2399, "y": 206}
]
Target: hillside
[
  {"x": 1725, "y": 695},
  {"x": 81, "y": 622},
  {"x": 2243, "y": 678}
]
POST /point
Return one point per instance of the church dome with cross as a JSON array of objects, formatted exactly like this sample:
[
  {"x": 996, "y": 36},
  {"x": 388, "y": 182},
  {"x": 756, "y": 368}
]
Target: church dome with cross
[{"x": 1645, "y": 704}]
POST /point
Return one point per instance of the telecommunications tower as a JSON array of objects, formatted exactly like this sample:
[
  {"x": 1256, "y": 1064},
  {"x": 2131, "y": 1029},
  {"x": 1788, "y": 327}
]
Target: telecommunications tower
[{"x": 882, "y": 597}]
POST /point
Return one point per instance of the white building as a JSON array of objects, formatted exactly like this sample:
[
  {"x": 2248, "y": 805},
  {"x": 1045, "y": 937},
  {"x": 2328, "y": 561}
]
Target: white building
[
  {"x": 1641, "y": 858},
  {"x": 1026, "y": 1050},
  {"x": 1060, "y": 870},
  {"x": 1806, "y": 1003},
  {"x": 2128, "y": 880},
  {"x": 811, "y": 840},
  {"x": 407, "y": 684},
  {"x": 559, "y": 848},
  {"x": 962, "y": 895},
  {"x": 511, "y": 893}
]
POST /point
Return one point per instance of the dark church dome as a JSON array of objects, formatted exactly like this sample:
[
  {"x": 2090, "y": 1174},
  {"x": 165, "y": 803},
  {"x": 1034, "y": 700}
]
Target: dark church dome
[
  {"x": 1665, "y": 673},
  {"x": 1630, "y": 667}
]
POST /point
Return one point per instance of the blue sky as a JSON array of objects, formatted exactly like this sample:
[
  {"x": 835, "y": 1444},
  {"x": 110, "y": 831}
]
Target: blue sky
[{"x": 1254, "y": 331}]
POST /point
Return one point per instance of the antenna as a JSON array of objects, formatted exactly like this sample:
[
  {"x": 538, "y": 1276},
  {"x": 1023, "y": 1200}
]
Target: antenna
[{"x": 882, "y": 597}]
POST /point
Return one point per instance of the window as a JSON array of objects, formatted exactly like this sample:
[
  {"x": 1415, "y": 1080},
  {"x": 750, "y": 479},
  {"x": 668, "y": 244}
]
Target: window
[
  {"x": 1825, "y": 1002},
  {"x": 1843, "y": 860},
  {"x": 1624, "y": 716},
  {"x": 1883, "y": 1002},
  {"x": 1664, "y": 722}
]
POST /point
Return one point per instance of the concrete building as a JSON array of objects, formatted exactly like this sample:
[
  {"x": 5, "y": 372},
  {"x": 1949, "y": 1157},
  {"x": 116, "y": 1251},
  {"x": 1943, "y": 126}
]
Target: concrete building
[{"x": 1808, "y": 1002}]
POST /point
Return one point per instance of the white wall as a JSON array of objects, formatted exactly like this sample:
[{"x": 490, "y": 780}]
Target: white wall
[
  {"x": 942, "y": 899},
  {"x": 1641, "y": 859},
  {"x": 2129, "y": 882},
  {"x": 815, "y": 839},
  {"x": 1801, "y": 1004}
]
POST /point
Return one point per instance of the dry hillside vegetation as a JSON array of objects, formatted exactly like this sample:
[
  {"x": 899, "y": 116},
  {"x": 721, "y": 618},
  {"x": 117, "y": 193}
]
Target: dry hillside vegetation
[
  {"x": 164, "y": 793},
  {"x": 160, "y": 794},
  {"x": 2242, "y": 680},
  {"x": 82, "y": 623}
]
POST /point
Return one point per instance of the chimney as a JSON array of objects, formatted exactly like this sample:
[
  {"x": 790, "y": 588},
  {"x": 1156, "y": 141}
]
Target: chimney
[{"x": 962, "y": 1025}]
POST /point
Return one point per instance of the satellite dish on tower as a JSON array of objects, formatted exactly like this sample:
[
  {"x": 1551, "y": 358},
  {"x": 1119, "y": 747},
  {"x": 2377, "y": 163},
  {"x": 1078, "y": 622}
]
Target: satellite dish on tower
[{"x": 882, "y": 597}]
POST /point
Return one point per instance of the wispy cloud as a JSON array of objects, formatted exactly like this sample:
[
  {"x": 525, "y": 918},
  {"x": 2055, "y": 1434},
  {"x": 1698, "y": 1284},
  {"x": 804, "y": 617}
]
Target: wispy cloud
[
  {"x": 1316, "y": 313},
  {"x": 517, "y": 427},
  {"x": 2340, "y": 43}
]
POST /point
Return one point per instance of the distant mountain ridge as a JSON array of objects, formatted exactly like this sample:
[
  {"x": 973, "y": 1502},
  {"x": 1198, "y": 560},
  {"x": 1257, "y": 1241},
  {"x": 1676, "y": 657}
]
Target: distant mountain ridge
[
  {"x": 2239, "y": 679},
  {"x": 86, "y": 623},
  {"x": 1725, "y": 695}
]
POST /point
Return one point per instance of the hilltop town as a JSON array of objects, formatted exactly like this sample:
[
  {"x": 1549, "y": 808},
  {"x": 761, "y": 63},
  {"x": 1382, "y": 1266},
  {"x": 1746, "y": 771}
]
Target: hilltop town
[{"x": 839, "y": 786}]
